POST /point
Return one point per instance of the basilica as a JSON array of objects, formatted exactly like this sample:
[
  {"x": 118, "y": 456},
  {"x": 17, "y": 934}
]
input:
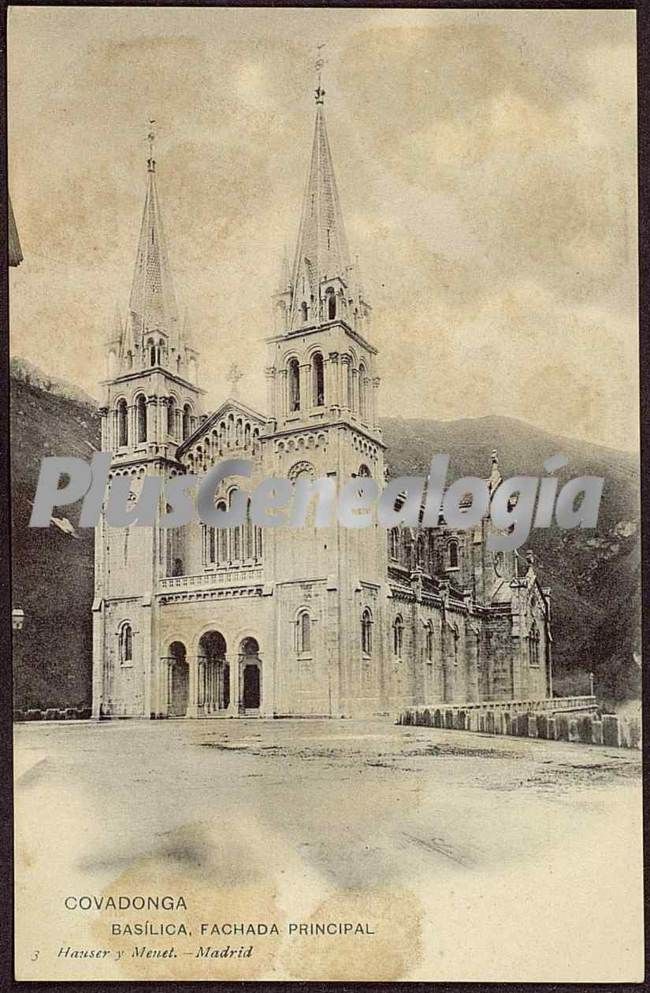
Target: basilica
[{"x": 307, "y": 622}]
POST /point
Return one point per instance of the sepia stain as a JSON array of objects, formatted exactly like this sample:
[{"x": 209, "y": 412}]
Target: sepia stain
[
  {"x": 208, "y": 902},
  {"x": 390, "y": 954}
]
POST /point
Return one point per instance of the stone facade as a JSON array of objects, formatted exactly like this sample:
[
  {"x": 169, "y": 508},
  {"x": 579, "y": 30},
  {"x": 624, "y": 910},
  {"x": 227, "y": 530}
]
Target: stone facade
[{"x": 277, "y": 621}]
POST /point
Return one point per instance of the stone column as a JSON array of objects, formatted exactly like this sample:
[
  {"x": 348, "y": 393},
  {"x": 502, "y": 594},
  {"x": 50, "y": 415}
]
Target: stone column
[
  {"x": 163, "y": 697},
  {"x": 269, "y": 372},
  {"x": 152, "y": 419},
  {"x": 233, "y": 706},
  {"x": 281, "y": 399},
  {"x": 193, "y": 694},
  {"x": 133, "y": 426},
  {"x": 306, "y": 398},
  {"x": 99, "y": 659},
  {"x": 332, "y": 382},
  {"x": 373, "y": 400}
]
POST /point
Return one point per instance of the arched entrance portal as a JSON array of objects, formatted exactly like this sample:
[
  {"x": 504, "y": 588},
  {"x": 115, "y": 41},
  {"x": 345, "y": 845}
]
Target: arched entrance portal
[
  {"x": 251, "y": 669},
  {"x": 178, "y": 680},
  {"x": 213, "y": 673}
]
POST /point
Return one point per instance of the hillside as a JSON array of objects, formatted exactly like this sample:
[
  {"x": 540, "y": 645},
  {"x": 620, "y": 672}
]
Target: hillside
[
  {"x": 52, "y": 570},
  {"x": 594, "y": 576}
]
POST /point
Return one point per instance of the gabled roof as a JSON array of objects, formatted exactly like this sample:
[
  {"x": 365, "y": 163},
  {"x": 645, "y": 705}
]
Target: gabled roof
[{"x": 228, "y": 406}]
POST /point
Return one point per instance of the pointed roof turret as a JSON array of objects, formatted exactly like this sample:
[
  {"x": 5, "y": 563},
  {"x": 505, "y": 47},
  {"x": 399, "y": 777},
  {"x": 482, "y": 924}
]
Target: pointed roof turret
[
  {"x": 153, "y": 302},
  {"x": 322, "y": 249},
  {"x": 115, "y": 328}
]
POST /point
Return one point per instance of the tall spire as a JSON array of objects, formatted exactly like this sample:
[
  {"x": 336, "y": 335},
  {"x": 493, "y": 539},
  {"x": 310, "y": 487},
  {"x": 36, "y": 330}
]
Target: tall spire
[
  {"x": 153, "y": 302},
  {"x": 322, "y": 250}
]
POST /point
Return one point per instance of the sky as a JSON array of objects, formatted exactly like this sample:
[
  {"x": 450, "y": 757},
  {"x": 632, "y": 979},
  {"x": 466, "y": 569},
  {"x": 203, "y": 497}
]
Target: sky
[{"x": 486, "y": 163}]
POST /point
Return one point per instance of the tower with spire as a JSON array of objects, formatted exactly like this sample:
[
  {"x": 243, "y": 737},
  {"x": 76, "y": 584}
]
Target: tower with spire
[
  {"x": 152, "y": 403},
  {"x": 322, "y": 386},
  {"x": 151, "y": 363}
]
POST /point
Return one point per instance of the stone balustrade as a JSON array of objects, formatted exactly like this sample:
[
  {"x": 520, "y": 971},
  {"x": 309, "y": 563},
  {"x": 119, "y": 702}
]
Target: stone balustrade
[{"x": 219, "y": 579}]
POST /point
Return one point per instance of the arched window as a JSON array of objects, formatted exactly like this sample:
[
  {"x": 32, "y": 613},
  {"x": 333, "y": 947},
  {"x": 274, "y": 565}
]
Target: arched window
[
  {"x": 211, "y": 548},
  {"x": 249, "y": 549},
  {"x": 362, "y": 390},
  {"x": 533, "y": 644},
  {"x": 235, "y": 533},
  {"x": 366, "y": 632},
  {"x": 428, "y": 641},
  {"x": 126, "y": 644},
  {"x": 393, "y": 543},
  {"x": 171, "y": 418},
  {"x": 349, "y": 385},
  {"x": 257, "y": 536},
  {"x": 398, "y": 636},
  {"x": 331, "y": 305},
  {"x": 303, "y": 311},
  {"x": 122, "y": 424},
  {"x": 294, "y": 385},
  {"x": 452, "y": 554},
  {"x": 152, "y": 352},
  {"x": 178, "y": 569},
  {"x": 318, "y": 380},
  {"x": 221, "y": 539},
  {"x": 141, "y": 418},
  {"x": 187, "y": 421},
  {"x": 303, "y": 633}
]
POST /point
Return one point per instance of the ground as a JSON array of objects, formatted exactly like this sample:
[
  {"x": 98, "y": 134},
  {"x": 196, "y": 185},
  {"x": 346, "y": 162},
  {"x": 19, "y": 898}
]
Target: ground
[{"x": 469, "y": 856}]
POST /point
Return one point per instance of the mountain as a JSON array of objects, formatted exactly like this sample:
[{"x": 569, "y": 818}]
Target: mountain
[
  {"x": 594, "y": 575},
  {"x": 27, "y": 372},
  {"x": 52, "y": 569}
]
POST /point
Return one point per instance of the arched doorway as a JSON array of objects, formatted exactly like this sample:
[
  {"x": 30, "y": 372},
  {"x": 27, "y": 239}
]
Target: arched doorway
[
  {"x": 251, "y": 669},
  {"x": 213, "y": 673},
  {"x": 179, "y": 680}
]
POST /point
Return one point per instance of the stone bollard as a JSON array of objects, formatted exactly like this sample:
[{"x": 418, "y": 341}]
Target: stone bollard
[
  {"x": 611, "y": 731},
  {"x": 597, "y": 731},
  {"x": 635, "y": 733},
  {"x": 408, "y": 719},
  {"x": 585, "y": 730},
  {"x": 542, "y": 726},
  {"x": 426, "y": 718},
  {"x": 562, "y": 724},
  {"x": 573, "y": 730},
  {"x": 449, "y": 719},
  {"x": 472, "y": 721},
  {"x": 624, "y": 728},
  {"x": 531, "y": 728},
  {"x": 551, "y": 729}
]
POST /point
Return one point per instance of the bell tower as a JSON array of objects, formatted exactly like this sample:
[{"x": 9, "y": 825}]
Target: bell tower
[
  {"x": 152, "y": 403},
  {"x": 322, "y": 385}
]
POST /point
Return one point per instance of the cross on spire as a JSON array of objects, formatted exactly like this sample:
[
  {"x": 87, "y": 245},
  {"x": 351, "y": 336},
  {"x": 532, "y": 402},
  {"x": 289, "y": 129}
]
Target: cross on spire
[
  {"x": 320, "y": 62},
  {"x": 151, "y": 137},
  {"x": 234, "y": 375}
]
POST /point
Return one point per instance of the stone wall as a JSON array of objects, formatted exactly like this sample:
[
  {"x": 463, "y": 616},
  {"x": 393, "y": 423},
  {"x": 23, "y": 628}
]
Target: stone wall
[{"x": 575, "y": 719}]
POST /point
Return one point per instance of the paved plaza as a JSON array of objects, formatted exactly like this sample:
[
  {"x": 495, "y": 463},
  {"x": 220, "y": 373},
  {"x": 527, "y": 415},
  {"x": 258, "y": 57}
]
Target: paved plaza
[{"x": 425, "y": 834}]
